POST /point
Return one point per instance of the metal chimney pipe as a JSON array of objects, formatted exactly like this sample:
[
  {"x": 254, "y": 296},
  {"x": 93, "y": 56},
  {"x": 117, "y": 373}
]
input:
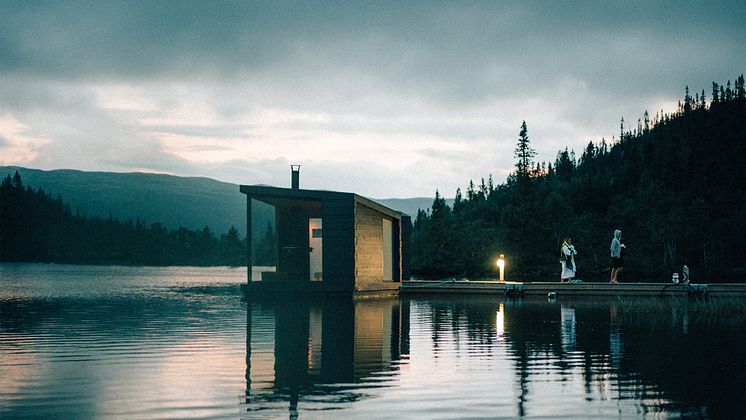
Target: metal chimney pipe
[{"x": 295, "y": 177}]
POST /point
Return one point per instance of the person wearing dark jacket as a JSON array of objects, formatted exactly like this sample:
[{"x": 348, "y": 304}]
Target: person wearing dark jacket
[{"x": 617, "y": 261}]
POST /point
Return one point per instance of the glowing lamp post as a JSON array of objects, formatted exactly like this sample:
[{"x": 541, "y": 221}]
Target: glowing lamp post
[{"x": 501, "y": 265}]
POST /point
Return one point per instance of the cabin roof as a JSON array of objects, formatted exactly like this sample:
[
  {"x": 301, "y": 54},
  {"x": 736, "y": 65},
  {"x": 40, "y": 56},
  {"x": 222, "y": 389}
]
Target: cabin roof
[{"x": 273, "y": 193}]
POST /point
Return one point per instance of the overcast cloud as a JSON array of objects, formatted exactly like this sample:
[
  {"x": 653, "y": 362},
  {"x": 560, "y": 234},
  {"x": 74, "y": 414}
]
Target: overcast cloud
[{"x": 384, "y": 99}]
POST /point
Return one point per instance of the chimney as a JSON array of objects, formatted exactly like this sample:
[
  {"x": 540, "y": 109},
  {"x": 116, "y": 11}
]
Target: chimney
[{"x": 295, "y": 177}]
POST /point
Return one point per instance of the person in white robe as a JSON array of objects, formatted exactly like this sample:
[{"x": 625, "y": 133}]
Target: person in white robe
[{"x": 567, "y": 259}]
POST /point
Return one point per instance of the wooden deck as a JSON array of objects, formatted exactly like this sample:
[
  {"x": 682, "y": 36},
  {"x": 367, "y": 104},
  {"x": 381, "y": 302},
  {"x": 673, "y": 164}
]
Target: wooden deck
[{"x": 583, "y": 289}]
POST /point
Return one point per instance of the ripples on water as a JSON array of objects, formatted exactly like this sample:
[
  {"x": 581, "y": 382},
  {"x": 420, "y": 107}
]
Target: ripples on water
[{"x": 81, "y": 341}]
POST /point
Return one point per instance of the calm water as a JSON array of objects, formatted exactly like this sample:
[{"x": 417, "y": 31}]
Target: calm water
[{"x": 80, "y": 341}]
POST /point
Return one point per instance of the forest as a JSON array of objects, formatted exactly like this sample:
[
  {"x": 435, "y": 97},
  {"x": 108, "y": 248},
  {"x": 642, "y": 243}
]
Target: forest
[
  {"x": 673, "y": 183},
  {"x": 38, "y": 228}
]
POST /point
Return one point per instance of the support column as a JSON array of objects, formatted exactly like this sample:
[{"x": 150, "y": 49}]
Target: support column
[{"x": 249, "y": 242}]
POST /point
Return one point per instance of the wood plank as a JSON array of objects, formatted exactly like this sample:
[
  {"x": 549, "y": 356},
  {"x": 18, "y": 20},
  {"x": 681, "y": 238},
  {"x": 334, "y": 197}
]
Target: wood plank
[{"x": 583, "y": 289}]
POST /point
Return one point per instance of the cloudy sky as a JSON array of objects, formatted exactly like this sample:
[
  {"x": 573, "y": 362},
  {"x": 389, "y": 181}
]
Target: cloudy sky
[{"x": 384, "y": 99}]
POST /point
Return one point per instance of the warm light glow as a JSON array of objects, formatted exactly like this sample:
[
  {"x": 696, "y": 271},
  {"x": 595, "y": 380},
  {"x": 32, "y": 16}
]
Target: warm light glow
[
  {"x": 500, "y": 320},
  {"x": 501, "y": 265}
]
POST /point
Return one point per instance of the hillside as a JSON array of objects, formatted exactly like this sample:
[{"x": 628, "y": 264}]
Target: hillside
[
  {"x": 675, "y": 186},
  {"x": 36, "y": 227},
  {"x": 174, "y": 201}
]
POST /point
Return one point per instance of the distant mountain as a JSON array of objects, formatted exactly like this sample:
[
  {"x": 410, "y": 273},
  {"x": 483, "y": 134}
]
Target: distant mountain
[{"x": 190, "y": 202}]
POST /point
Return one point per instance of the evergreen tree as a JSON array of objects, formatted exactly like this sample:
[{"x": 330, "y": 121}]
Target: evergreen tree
[
  {"x": 676, "y": 188},
  {"x": 36, "y": 227},
  {"x": 524, "y": 154},
  {"x": 458, "y": 200},
  {"x": 589, "y": 154},
  {"x": 564, "y": 166}
]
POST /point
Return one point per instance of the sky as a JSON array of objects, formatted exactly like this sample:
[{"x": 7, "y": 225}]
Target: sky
[{"x": 386, "y": 99}]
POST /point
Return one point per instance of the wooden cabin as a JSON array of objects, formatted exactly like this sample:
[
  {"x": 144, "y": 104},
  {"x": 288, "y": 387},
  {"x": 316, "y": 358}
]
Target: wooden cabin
[{"x": 312, "y": 241}]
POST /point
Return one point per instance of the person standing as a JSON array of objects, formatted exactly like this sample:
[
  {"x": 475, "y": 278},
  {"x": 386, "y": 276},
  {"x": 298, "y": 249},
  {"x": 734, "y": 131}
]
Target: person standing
[
  {"x": 616, "y": 256},
  {"x": 567, "y": 259}
]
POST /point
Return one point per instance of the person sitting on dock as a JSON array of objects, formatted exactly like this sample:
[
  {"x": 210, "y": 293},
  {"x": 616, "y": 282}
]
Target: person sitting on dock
[
  {"x": 616, "y": 256},
  {"x": 567, "y": 259}
]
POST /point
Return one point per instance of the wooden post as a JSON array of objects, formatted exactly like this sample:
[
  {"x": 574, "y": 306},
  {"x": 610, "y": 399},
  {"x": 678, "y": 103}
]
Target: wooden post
[{"x": 249, "y": 242}]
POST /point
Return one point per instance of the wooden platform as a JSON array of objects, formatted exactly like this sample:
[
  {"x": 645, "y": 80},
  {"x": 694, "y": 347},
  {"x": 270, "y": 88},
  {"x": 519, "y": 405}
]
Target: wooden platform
[
  {"x": 584, "y": 289},
  {"x": 317, "y": 288}
]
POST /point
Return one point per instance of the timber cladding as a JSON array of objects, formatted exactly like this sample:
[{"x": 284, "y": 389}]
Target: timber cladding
[{"x": 368, "y": 245}]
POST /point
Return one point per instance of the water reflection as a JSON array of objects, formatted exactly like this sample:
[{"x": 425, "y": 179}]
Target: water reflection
[
  {"x": 500, "y": 320},
  {"x": 159, "y": 343},
  {"x": 329, "y": 350},
  {"x": 487, "y": 358},
  {"x": 567, "y": 323},
  {"x": 78, "y": 344},
  {"x": 600, "y": 355}
]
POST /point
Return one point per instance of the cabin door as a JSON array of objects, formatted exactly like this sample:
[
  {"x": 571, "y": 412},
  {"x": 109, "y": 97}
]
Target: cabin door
[{"x": 315, "y": 249}]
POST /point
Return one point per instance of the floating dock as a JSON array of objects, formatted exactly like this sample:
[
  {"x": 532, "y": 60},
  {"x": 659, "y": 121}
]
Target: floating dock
[{"x": 557, "y": 289}]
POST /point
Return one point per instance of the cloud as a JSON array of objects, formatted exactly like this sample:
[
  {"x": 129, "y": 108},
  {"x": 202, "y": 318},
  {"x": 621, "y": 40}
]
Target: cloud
[
  {"x": 17, "y": 146},
  {"x": 421, "y": 95}
]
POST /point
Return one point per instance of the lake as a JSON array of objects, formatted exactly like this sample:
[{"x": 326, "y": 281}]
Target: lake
[{"x": 178, "y": 342}]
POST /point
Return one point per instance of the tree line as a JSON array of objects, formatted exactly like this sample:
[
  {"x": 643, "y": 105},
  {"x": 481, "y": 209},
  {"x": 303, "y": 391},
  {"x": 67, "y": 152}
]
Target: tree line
[
  {"x": 674, "y": 185},
  {"x": 34, "y": 227}
]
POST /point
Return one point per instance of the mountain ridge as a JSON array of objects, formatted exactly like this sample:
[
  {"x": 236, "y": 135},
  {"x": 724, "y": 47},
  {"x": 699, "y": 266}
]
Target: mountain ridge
[{"x": 175, "y": 201}]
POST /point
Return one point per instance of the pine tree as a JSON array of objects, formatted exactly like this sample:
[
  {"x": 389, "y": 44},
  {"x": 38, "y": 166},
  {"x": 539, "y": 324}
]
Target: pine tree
[
  {"x": 471, "y": 193},
  {"x": 525, "y": 154},
  {"x": 458, "y": 200},
  {"x": 17, "y": 183},
  {"x": 564, "y": 165},
  {"x": 588, "y": 154},
  {"x": 482, "y": 194},
  {"x": 439, "y": 208}
]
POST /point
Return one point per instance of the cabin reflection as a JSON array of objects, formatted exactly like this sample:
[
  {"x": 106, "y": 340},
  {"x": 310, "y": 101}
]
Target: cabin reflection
[
  {"x": 332, "y": 352},
  {"x": 320, "y": 342}
]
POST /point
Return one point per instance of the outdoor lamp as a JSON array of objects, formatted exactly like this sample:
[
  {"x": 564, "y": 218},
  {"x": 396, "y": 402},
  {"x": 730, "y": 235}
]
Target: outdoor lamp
[{"x": 501, "y": 265}]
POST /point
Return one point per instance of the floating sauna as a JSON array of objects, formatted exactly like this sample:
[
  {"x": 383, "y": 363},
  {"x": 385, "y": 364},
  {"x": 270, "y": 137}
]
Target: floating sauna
[{"x": 312, "y": 241}]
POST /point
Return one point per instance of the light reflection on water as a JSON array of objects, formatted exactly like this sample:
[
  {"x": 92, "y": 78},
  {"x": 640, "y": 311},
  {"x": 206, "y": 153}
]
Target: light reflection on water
[{"x": 178, "y": 342}]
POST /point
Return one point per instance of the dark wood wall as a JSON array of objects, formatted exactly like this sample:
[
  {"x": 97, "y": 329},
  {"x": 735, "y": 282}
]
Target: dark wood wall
[
  {"x": 406, "y": 247},
  {"x": 339, "y": 241},
  {"x": 292, "y": 241},
  {"x": 396, "y": 249}
]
